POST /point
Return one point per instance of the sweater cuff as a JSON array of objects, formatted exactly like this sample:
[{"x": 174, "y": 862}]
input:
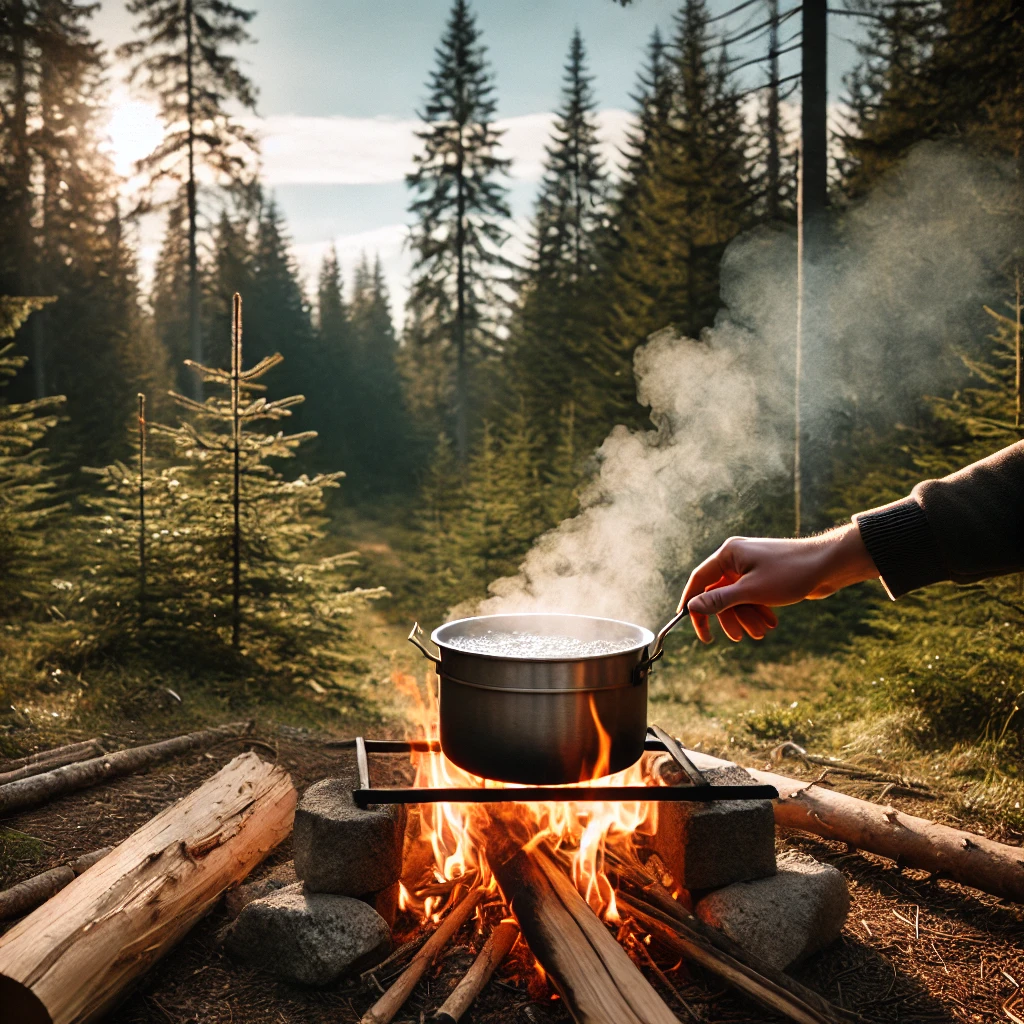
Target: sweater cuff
[{"x": 902, "y": 546}]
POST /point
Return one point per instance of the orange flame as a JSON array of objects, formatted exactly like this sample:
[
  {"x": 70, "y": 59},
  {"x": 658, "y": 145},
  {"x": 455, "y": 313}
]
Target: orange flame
[{"x": 580, "y": 830}]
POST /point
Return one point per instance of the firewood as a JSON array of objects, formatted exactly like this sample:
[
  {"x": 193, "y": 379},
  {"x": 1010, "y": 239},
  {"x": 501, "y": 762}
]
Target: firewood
[
  {"x": 73, "y": 958},
  {"x": 651, "y": 906},
  {"x": 86, "y": 747},
  {"x": 394, "y": 998},
  {"x": 38, "y": 789},
  {"x": 25, "y": 896},
  {"x": 69, "y": 756},
  {"x": 591, "y": 971},
  {"x": 913, "y": 842},
  {"x": 499, "y": 944}
]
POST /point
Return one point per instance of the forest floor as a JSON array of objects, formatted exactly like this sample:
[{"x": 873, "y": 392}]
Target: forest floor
[{"x": 913, "y": 950}]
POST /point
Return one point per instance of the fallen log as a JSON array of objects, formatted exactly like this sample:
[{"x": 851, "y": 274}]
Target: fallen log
[
  {"x": 87, "y": 746},
  {"x": 394, "y": 998},
  {"x": 80, "y": 752},
  {"x": 590, "y": 970},
  {"x": 498, "y": 945},
  {"x": 651, "y": 906},
  {"x": 25, "y": 896},
  {"x": 16, "y": 796},
  {"x": 913, "y": 842},
  {"x": 73, "y": 958}
]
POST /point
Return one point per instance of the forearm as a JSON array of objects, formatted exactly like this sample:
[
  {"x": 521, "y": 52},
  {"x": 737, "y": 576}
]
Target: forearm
[{"x": 964, "y": 527}]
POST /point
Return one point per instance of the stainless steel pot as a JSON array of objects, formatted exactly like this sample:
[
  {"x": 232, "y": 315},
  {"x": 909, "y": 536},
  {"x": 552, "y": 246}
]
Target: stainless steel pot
[{"x": 544, "y": 721}]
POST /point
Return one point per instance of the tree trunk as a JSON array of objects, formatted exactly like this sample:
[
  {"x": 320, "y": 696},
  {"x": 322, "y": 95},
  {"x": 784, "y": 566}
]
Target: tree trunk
[
  {"x": 910, "y": 841},
  {"x": 590, "y": 970},
  {"x": 73, "y": 958},
  {"x": 236, "y": 477},
  {"x": 38, "y": 789},
  {"x": 194, "y": 328},
  {"x": 461, "y": 356}
]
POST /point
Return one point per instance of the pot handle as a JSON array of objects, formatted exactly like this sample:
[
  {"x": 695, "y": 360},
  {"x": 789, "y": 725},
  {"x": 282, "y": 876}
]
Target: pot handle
[
  {"x": 414, "y": 638},
  {"x": 658, "y": 647}
]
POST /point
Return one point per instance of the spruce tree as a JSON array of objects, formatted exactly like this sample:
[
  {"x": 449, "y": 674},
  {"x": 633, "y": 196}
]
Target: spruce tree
[
  {"x": 27, "y": 487},
  {"x": 230, "y": 566},
  {"x": 553, "y": 348},
  {"x": 181, "y": 58},
  {"x": 459, "y": 207}
]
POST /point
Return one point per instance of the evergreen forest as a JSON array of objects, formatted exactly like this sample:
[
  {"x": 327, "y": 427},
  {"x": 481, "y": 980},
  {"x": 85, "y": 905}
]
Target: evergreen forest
[{"x": 228, "y": 484}]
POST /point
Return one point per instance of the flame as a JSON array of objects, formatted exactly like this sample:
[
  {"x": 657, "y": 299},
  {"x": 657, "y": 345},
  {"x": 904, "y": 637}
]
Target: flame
[{"x": 580, "y": 831}]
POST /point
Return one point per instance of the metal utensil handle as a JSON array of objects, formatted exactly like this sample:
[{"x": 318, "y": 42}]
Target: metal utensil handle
[
  {"x": 658, "y": 647},
  {"x": 414, "y": 638}
]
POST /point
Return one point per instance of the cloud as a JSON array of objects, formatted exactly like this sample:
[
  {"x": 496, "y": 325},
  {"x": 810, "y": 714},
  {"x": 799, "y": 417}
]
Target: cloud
[{"x": 301, "y": 150}]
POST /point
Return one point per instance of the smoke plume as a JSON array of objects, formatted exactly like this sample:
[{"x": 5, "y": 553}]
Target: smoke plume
[{"x": 895, "y": 287}]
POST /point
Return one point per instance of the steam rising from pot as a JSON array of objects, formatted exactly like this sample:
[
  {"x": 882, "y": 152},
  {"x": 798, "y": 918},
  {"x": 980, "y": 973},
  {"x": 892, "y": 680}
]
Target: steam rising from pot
[{"x": 892, "y": 293}]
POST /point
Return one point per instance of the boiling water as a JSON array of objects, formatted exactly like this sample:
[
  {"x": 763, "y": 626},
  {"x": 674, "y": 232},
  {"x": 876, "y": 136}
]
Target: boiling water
[{"x": 521, "y": 644}]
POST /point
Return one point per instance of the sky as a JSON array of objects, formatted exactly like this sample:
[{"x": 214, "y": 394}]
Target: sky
[{"x": 340, "y": 83}]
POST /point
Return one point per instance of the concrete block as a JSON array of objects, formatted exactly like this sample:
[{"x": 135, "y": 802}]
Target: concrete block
[
  {"x": 341, "y": 849},
  {"x": 785, "y": 918},
  {"x": 710, "y": 845},
  {"x": 308, "y": 938}
]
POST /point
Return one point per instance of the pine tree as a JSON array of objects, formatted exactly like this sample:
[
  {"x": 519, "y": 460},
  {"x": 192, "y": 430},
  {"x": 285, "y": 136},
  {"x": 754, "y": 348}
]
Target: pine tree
[
  {"x": 459, "y": 209},
  {"x": 563, "y": 294},
  {"x": 27, "y": 488},
  {"x": 230, "y": 568},
  {"x": 181, "y": 59}
]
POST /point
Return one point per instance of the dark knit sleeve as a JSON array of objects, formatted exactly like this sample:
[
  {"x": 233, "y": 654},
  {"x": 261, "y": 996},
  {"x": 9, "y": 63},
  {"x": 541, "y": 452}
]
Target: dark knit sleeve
[{"x": 965, "y": 527}]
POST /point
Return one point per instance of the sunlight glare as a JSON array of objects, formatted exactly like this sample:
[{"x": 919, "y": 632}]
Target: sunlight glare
[{"x": 134, "y": 131}]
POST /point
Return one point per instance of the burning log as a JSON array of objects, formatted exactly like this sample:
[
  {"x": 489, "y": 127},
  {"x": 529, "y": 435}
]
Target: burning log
[
  {"x": 654, "y": 909},
  {"x": 394, "y": 998},
  {"x": 910, "y": 841},
  {"x": 38, "y": 789},
  {"x": 499, "y": 944},
  {"x": 47, "y": 760},
  {"x": 72, "y": 958},
  {"x": 27, "y": 895},
  {"x": 591, "y": 971}
]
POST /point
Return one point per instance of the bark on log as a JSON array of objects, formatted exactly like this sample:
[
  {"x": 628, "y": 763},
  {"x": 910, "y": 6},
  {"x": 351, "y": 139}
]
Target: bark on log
[
  {"x": 590, "y": 970},
  {"x": 82, "y": 747},
  {"x": 913, "y": 842},
  {"x": 72, "y": 959},
  {"x": 498, "y": 945},
  {"x": 25, "y": 896},
  {"x": 38, "y": 789}
]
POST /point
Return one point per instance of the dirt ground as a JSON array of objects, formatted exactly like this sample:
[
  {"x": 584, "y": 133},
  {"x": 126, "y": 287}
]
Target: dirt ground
[{"x": 913, "y": 950}]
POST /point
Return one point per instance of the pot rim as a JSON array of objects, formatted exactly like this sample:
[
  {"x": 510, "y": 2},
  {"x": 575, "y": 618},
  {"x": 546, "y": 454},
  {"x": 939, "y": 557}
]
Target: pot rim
[{"x": 647, "y": 637}]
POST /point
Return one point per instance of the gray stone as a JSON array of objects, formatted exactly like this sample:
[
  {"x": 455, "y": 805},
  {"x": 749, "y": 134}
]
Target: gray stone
[
  {"x": 785, "y": 918},
  {"x": 710, "y": 845},
  {"x": 308, "y": 938},
  {"x": 342, "y": 849},
  {"x": 277, "y": 878}
]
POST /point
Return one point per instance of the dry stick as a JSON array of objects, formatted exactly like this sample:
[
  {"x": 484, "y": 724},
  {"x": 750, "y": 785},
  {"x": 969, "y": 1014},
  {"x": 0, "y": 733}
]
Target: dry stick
[
  {"x": 394, "y": 998},
  {"x": 54, "y": 752},
  {"x": 75, "y": 956},
  {"x": 71, "y": 756},
  {"x": 913, "y": 842},
  {"x": 25, "y": 896},
  {"x": 16, "y": 796},
  {"x": 499, "y": 944}
]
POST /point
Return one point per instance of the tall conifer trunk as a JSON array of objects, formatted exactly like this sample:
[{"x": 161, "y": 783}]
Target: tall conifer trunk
[
  {"x": 194, "y": 328},
  {"x": 462, "y": 367},
  {"x": 773, "y": 161},
  {"x": 236, "y": 471}
]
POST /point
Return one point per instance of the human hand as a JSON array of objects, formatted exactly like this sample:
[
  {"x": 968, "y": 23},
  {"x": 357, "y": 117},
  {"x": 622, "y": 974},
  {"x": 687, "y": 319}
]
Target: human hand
[{"x": 746, "y": 577}]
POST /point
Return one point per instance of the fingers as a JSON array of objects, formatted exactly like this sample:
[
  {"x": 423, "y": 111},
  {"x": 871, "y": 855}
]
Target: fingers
[{"x": 709, "y": 572}]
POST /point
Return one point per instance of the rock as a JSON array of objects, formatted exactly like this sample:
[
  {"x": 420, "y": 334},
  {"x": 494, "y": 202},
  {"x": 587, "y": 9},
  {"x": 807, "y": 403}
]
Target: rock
[
  {"x": 342, "y": 849},
  {"x": 277, "y": 878},
  {"x": 711, "y": 845},
  {"x": 785, "y": 918},
  {"x": 308, "y": 938}
]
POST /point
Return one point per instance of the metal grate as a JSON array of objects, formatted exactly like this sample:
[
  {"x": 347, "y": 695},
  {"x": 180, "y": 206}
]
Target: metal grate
[{"x": 699, "y": 789}]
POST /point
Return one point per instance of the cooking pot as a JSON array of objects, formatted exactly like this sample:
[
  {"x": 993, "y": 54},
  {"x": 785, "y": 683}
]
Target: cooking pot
[{"x": 544, "y": 721}]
